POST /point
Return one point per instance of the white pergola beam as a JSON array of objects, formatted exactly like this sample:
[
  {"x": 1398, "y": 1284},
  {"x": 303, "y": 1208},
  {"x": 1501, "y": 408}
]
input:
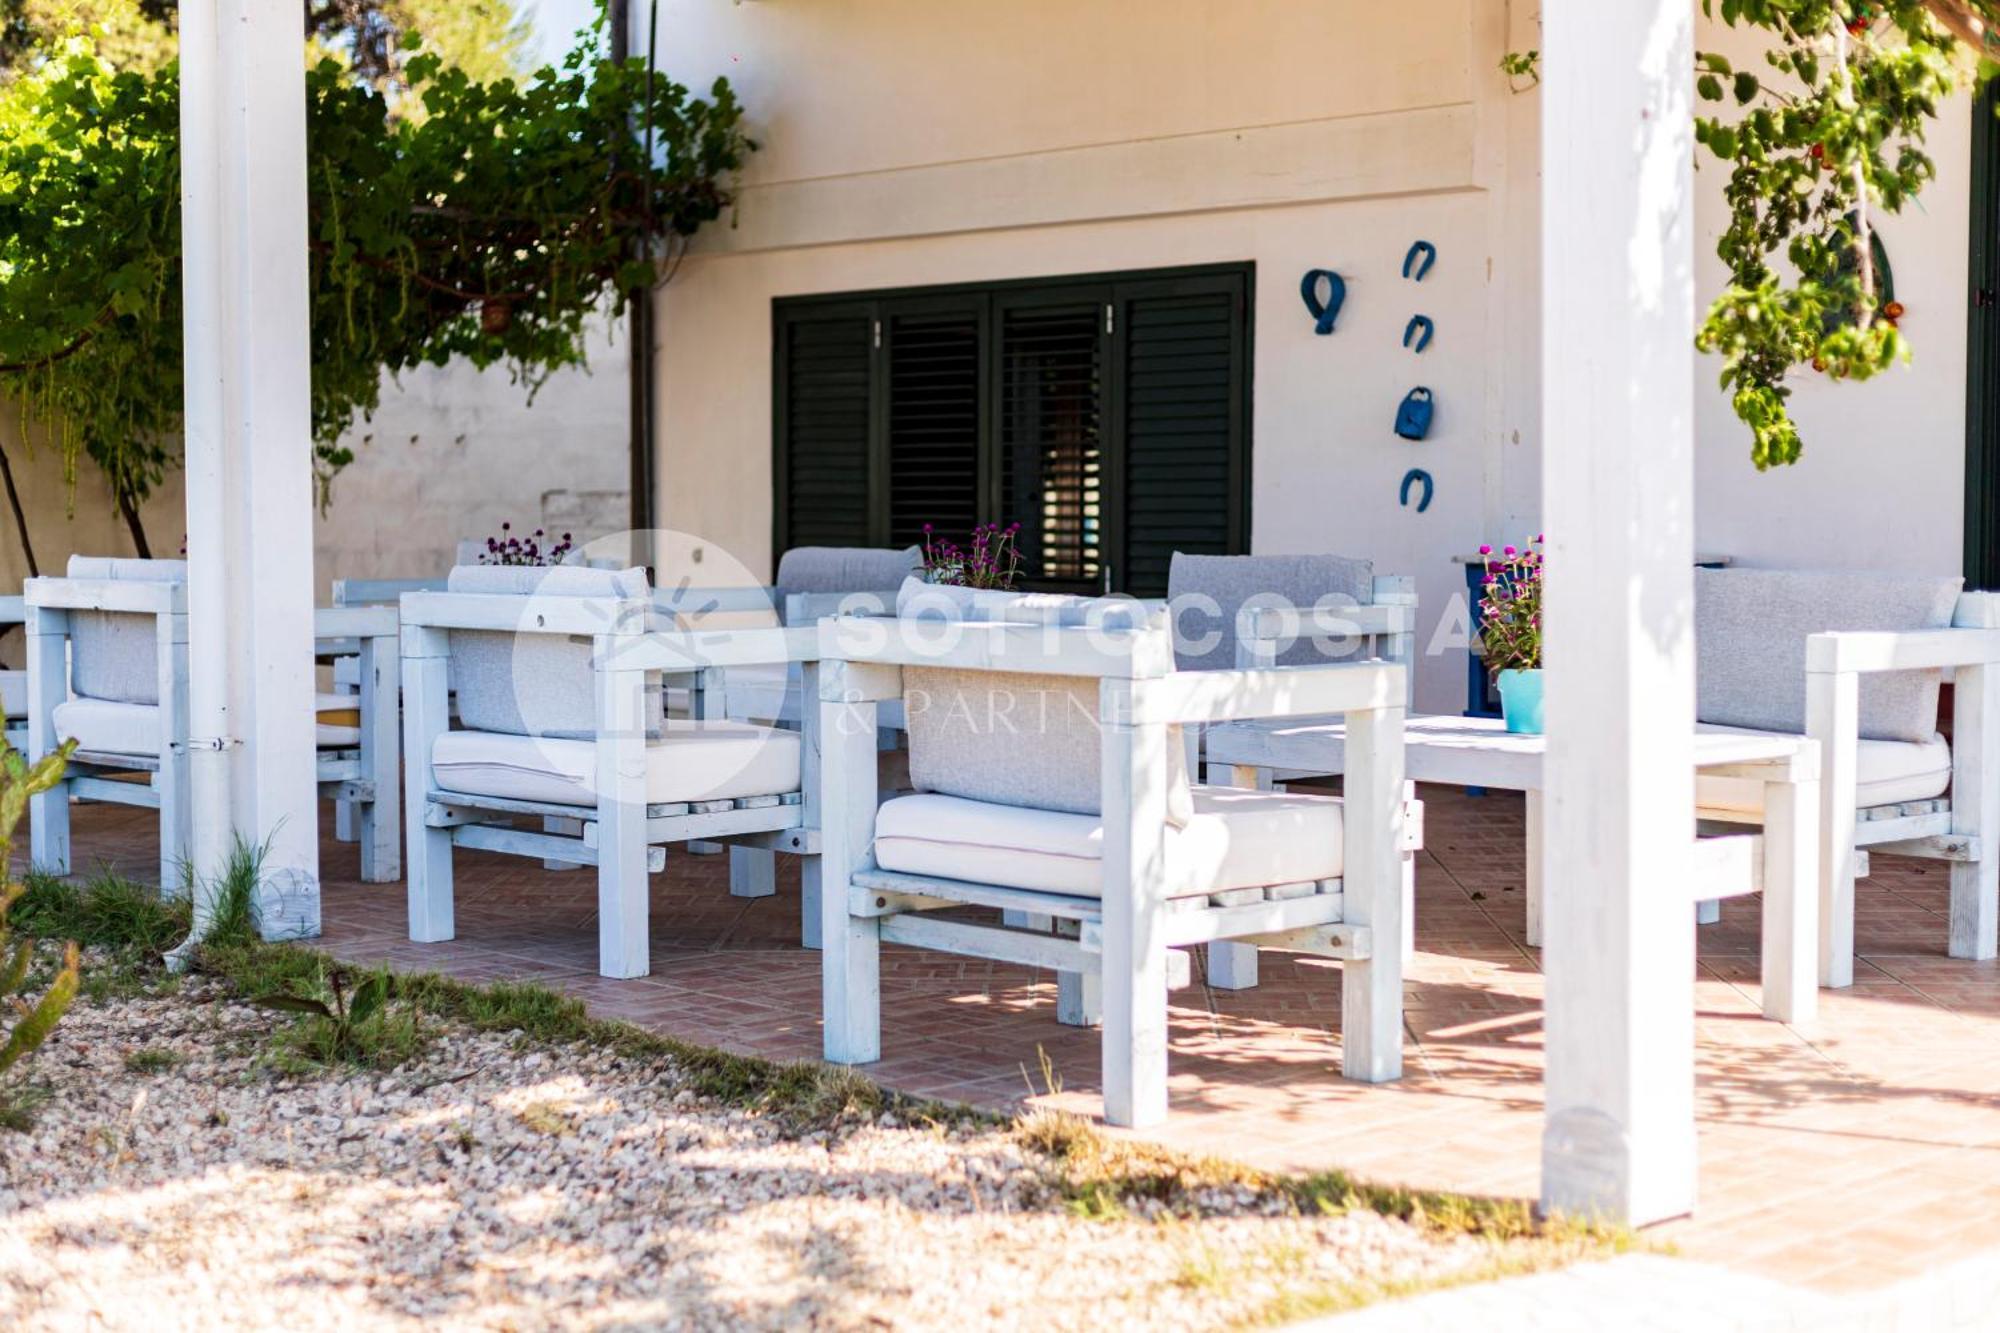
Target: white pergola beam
[
  {"x": 249, "y": 449},
  {"x": 1618, "y": 493}
]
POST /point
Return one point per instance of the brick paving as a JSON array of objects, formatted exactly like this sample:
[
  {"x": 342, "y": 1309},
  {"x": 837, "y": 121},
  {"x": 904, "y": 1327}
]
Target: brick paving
[{"x": 1850, "y": 1154}]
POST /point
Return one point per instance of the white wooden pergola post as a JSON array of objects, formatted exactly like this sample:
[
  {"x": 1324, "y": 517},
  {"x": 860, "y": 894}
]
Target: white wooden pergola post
[
  {"x": 249, "y": 450},
  {"x": 1618, "y": 494}
]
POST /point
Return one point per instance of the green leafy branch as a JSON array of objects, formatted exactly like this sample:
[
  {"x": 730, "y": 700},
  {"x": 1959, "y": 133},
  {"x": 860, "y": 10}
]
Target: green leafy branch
[
  {"x": 1825, "y": 135},
  {"x": 484, "y": 218}
]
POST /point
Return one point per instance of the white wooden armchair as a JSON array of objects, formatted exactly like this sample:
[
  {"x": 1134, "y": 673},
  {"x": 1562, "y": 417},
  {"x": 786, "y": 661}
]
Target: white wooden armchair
[
  {"x": 1247, "y": 612},
  {"x": 1094, "y": 828},
  {"x": 812, "y": 582},
  {"x": 108, "y": 668},
  {"x": 1854, "y": 661},
  {"x": 556, "y": 673}
]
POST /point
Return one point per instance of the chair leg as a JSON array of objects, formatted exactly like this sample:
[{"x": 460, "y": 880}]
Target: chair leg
[
  {"x": 571, "y": 828},
  {"x": 1079, "y": 995},
  {"x": 1974, "y": 889},
  {"x": 381, "y": 817},
  {"x": 426, "y": 716},
  {"x": 48, "y": 830},
  {"x": 429, "y": 884},
  {"x": 810, "y": 921},
  {"x": 1833, "y": 718},
  {"x": 1371, "y": 988},
  {"x": 1232, "y": 966},
  {"x": 1079, "y": 999},
  {"x": 380, "y": 834},
  {"x": 1135, "y": 1032},
  {"x": 343, "y": 820},
  {"x": 623, "y": 890},
  {"x": 851, "y": 964},
  {"x": 1975, "y": 811},
  {"x": 176, "y": 829},
  {"x": 1789, "y": 966},
  {"x": 753, "y": 872},
  {"x": 1531, "y": 878}
]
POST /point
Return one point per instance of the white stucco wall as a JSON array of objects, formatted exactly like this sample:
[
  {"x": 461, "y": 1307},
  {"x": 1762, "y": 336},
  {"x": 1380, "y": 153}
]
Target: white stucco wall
[
  {"x": 910, "y": 143},
  {"x": 455, "y": 452}
]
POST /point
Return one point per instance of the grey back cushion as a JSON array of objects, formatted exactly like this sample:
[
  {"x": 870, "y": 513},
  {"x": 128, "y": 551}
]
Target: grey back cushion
[
  {"x": 536, "y": 684},
  {"x": 1209, "y": 591},
  {"x": 1019, "y": 738},
  {"x": 1751, "y": 627},
  {"x": 115, "y": 654},
  {"x": 824, "y": 569}
]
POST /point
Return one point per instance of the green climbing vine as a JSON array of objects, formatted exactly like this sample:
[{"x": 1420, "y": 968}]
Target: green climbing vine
[
  {"x": 491, "y": 222},
  {"x": 1828, "y": 131}
]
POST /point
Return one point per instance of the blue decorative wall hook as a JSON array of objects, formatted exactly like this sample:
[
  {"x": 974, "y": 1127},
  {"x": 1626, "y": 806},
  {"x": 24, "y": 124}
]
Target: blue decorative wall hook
[
  {"x": 1421, "y": 329},
  {"x": 1416, "y": 474},
  {"x": 1429, "y": 253},
  {"x": 1336, "y": 295},
  {"x": 1413, "y": 418}
]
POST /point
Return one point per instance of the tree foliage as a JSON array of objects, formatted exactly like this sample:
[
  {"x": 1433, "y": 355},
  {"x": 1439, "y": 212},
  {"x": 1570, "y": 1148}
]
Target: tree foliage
[
  {"x": 1828, "y": 132},
  {"x": 490, "y": 225},
  {"x": 485, "y": 38}
]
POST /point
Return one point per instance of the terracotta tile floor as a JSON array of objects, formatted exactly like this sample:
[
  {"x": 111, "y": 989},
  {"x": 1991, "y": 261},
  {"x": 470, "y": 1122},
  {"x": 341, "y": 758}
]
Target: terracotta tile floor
[{"x": 1862, "y": 1150}]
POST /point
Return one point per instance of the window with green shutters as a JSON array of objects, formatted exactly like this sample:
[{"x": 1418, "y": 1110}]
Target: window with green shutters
[{"x": 1108, "y": 415}]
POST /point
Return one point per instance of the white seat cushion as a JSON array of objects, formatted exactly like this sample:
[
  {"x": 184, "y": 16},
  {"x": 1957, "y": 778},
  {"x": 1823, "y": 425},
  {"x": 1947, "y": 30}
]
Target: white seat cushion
[
  {"x": 1886, "y": 772},
  {"x": 714, "y": 761},
  {"x": 109, "y": 727},
  {"x": 1235, "y": 839}
]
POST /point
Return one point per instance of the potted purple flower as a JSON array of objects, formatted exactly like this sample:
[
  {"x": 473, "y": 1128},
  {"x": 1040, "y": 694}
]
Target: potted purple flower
[
  {"x": 992, "y": 560},
  {"x": 508, "y": 549},
  {"x": 1510, "y": 631}
]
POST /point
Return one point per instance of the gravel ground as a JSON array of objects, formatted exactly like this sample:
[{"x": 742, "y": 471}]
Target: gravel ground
[{"x": 488, "y": 1185}]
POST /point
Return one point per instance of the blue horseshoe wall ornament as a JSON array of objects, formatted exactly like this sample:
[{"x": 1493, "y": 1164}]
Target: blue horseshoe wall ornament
[
  {"x": 1421, "y": 329},
  {"x": 1429, "y": 253},
  {"x": 1413, "y": 418},
  {"x": 1416, "y": 474},
  {"x": 1336, "y": 295}
]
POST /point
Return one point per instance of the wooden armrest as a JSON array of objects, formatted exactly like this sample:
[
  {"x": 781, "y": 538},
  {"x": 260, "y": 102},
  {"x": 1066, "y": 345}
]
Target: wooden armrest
[
  {"x": 380, "y": 592},
  {"x": 353, "y": 622},
  {"x": 1328, "y": 622},
  {"x": 522, "y": 614},
  {"x": 678, "y": 652},
  {"x": 691, "y": 600},
  {"x": 1301, "y": 691},
  {"x": 1864, "y": 651},
  {"x": 1049, "y": 650},
  {"x": 136, "y": 595}
]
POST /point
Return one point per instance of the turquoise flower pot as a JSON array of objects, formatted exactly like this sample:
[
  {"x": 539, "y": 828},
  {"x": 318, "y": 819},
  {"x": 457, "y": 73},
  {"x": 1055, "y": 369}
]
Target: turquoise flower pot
[{"x": 1521, "y": 701}]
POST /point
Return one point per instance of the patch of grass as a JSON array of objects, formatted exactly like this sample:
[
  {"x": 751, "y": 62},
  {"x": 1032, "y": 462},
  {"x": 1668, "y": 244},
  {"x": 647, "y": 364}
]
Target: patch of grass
[
  {"x": 383, "y": 1041},
  {"x": 107, "y": 912},
  {"x": 153, "y": 1060},
  {"x": 1108, "y": 1178},
  {"x": 20, "y": 1103},
  {"x": 348, "y": 1019}
]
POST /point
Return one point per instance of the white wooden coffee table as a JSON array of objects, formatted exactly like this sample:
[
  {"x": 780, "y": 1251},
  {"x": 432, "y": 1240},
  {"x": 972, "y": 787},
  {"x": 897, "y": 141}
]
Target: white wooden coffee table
[{"x": 1782, "y": 862}]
